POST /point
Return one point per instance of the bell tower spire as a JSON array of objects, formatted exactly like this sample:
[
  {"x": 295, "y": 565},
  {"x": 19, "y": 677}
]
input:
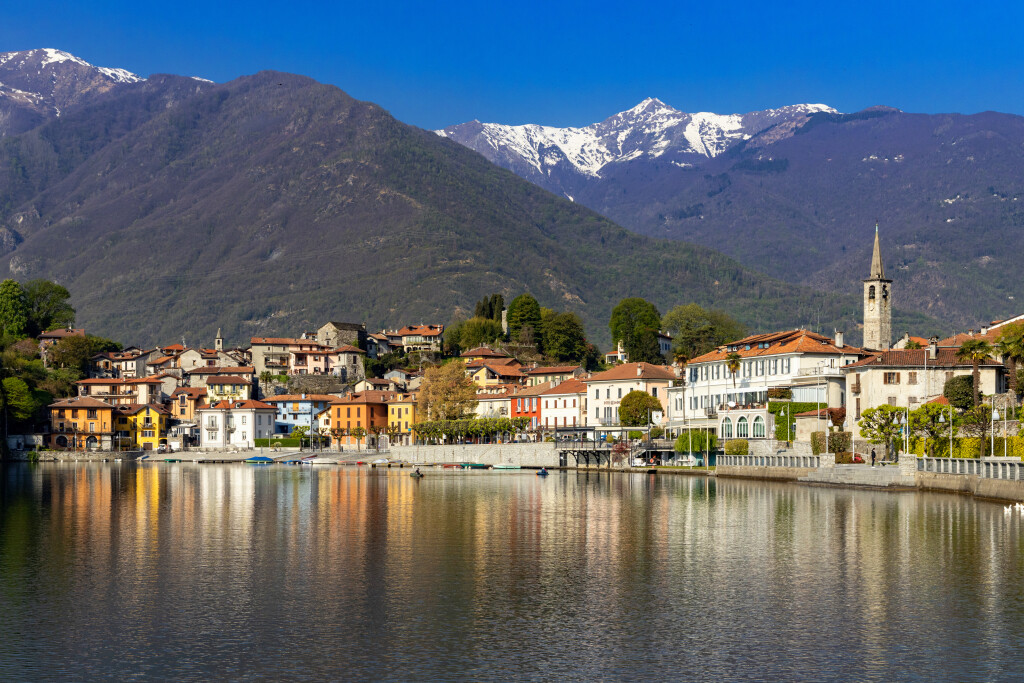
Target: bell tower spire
[{"x": 877, "y": 303}]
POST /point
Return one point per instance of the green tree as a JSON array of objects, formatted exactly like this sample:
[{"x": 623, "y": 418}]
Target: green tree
[
  {"x": 13, "y": 309},
  {"x": 635, "y": 322},
  {"x": 975, "y": 351},
  {"x": 18, "y": 401},
  {"x": 358, "y": 433},
  {"x": 695, "y": 330},
  {"x": 266, "y": 377},
  {"x": 1010, "y": 346},
  {"x": 477, "y": 331},
  {"x": 497, "y": 306},
  {"x": 695, "y": 441},
  {"x": 72, "y": 353},
  {"x": 924, "y": 422},
  {"x": 881, "y": 425},
  {"x": 524, "y": 311},
  {"x": 959, "y": 391},
  {"x": 636, "y": 407},
  {"x": 911, "y": 345},
  {"x": 732, "y": 362},
  {"x": 564, "y": 338},
  {"x": 48, "y": 307},
  {"x": 446, "y": 392}
]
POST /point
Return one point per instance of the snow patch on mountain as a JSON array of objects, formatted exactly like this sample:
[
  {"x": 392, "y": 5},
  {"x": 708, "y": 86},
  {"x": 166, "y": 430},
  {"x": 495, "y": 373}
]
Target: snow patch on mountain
[{"x": 651, "y": 129}]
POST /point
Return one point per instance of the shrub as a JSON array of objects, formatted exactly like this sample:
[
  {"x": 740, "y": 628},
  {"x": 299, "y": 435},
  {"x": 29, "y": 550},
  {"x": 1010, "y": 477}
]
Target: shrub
[
  {"x": 635, "y": 434},
  {"x": 32, "y": 456},
  {"x": 701, "y": 441},
  {"x": 780, "y": 392},
  {"x": 737, "y": 447},
  {"x": 657, "y": 432},
  {"x": 838, "y": 442},
  {"x": 959, "y": 391}
]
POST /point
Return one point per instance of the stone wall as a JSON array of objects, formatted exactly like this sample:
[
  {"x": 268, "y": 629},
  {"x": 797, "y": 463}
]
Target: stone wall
[
  {"x": 996, "y": 489},
  {"x": 526, "y": 454},
  {"x": 316, "y": 384},
  {"x": 771, "y": 473},
  {"x": 772, "y": 447}
]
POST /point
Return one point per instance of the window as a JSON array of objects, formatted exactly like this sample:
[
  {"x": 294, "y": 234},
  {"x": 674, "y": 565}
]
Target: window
[
  {"x": 243, "y": 419},
  {"x": 91, "y": 414},
  {"x": 911, "y": 378},
  {"x": 726, "y": 428},
  {"x": 348, "y": 412},
  {"x": 620, "y": 393},
  {"x": 92, "y": 426},
  {"x": 148, "y": 434},
  {"x": 597, "y": 393},
  {"x": 654, "y": 392},
  {"x": 741, "y": 428},
  {"x": 891, "y": 378},
  {"x": 758, "y": 427},
  {"x": 891, "y": 400},
  {"x": 608, "y": 393},
  {"x": 871, "y": 292}
]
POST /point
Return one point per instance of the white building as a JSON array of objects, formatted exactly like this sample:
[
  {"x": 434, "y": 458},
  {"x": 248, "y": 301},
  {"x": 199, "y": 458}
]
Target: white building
[
  {"x": 808, "y": 364},
  {"x": 606, "y": 389},
  {"x": 236, "y": 424},
  {"x": 564, "y": 405}
]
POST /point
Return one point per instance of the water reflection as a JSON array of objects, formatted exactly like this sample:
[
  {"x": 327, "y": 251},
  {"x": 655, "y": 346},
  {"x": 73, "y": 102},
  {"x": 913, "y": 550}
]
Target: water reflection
[{"x": 231, "y": 571}]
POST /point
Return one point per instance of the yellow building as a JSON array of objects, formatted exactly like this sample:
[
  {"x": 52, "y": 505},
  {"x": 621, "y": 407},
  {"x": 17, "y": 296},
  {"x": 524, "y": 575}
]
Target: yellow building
[
  {"x": 142, "y": 426},
  {"x": 228, "y": 388},
  {"x": 491, "y": 375},
  {"x": 401, "y": 418}
]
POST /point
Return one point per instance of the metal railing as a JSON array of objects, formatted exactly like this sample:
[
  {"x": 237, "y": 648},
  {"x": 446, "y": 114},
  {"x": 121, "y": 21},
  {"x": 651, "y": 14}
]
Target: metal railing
[
  {"x": 769, "y": 461},
  {"x": 987, "y": 469}
]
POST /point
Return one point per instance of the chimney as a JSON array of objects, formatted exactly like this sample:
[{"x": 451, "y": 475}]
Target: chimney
[
  {"x": 933, "y": 348},
  {"x": 970, "y": 333},
  {"x": 839, "y": 339},
  {"x": 984, "y": 330},
  {"x": 639, "y": 369}
]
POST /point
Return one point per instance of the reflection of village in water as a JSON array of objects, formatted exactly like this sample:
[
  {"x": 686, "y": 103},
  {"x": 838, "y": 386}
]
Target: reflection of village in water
[{"x": 492, "y": 554}]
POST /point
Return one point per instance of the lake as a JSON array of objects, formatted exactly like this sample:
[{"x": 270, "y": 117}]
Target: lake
[{"x": 123, "y": 571}]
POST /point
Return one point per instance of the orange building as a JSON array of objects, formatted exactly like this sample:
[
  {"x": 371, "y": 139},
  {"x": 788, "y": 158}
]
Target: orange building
[
  {"x": 364, "y": 409},
  {"x": 81, "y": 423},
  {"x": 185, "y": 401}
]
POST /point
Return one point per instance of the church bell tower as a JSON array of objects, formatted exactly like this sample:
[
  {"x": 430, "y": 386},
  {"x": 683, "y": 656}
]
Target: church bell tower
[{"x": 877, "y": 304}]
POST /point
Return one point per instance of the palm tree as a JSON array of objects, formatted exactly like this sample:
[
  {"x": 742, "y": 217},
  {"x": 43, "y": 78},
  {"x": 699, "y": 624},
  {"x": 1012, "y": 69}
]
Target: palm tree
[
  {"x": 975, "y": 350},
  {"x": 732, "y": 361},
  {"x": 1010, "y": 346}
]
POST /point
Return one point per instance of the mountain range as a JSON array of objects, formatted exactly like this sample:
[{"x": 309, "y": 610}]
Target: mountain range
[
  {"x": 173, "y": 206},
  {"x": 796, "y": 192}
]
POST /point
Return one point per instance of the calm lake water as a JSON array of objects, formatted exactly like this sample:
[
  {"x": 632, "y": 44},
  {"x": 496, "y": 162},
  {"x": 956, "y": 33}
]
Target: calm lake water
[{"x": 213, "y": 572}]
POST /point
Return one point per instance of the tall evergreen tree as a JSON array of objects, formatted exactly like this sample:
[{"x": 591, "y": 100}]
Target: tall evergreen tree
[
  {"x": 13, "y": 309},
  {"x": 524, "y": 311}
]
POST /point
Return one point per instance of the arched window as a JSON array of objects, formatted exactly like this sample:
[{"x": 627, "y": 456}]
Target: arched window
[
  {"x": 758, "y": 427},
  {"x": 62, "y": 441},
  {"x": 741, "y": 428},
  {"x": 726, "y": 428},
  {"x": 871, "y": 292},
  {"x": 92, "y": 443}
]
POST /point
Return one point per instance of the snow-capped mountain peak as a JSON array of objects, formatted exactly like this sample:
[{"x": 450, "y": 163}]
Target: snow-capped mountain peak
[{"x": 650, "y": 130}]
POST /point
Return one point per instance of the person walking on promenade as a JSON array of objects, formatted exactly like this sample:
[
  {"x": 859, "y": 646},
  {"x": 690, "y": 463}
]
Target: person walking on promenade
[{"x": 872, "y": 457}]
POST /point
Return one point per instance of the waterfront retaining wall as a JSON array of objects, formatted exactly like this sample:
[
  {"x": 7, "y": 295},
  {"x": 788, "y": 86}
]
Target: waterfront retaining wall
[
  {"x": 772, "y": 473},
  {"x": 972, "y": 484},
  {"x": 525, "y": 454}
]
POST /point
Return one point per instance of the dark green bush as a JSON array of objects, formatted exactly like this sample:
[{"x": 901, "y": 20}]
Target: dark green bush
[{"x": 737, "y": 447}]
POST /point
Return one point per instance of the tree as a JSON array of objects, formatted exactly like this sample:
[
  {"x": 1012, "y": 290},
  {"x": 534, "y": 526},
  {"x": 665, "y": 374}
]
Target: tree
[
  {"x": 446, "y": 392},
  {"x": 924, "y": 422},
  {"x": 357, "y": 433},
  {"x": 636, "y": 407},
  {"x": 975, "y": 351},
  {"x": 695, "y": 441},
  {"x": 912, "y": 345},
  {"x": 975, "y": 422},
  {"x": 48, "y": 307},
  {"x": 564, "y": 338},
  {"x": 959, "y": 391},
  {"x": 477, "y": 331},
  {"x": 13, "y": 309},
  {"x": 635, "y": 323},
  {"x": 1010, "y": 346},
  {"x": 696, "y": 331},
  {"x": 732, "y": 361},
  {"x": 72, "y": 353},
  {"x": 266, "y": 377},
  {"x": 524, "y": 311},
  {"x": 881, "y": 425},
  {"x": 18, "y": 402}
]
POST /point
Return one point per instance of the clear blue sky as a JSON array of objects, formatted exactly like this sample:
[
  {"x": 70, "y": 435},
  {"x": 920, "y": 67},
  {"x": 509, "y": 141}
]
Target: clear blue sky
[{"x": 565, "y": 63}]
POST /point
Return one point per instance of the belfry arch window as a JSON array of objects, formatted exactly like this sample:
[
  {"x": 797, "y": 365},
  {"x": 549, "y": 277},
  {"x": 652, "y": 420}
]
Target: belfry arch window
[{"x": 871, "y": 292}]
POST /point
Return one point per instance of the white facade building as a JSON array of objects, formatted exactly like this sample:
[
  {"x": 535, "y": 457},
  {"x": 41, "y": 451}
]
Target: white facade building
[
  {"x": 235, "y": 424},
  {"x": 564, "y": 406},
  {"x": 606, "y": 389}
]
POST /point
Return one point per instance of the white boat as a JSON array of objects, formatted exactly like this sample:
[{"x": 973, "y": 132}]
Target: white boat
[
  {"x": 320, "y": 461},
  {"x": 506, "y": 467}
]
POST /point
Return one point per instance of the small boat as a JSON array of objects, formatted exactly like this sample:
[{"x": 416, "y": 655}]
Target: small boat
[
  {"x": 321, "y": 461},
  {"x": 416, "y": 475},
  {"x": 474, "y": 466},
  {"x": 260, "y": 460},
  {"x": 172, "y": 459},
  {"x": 506, "y": 467},
  {"x": 453, "y": 466},
  {"x": 542, "y": 472}
]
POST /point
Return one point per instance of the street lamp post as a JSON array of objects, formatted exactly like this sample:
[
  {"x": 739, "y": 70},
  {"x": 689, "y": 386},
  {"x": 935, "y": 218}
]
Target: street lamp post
[{"x": 995, "y": 416}]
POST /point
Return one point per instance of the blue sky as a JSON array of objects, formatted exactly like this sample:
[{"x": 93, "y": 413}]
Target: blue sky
[{"x": 568, "y": 63}]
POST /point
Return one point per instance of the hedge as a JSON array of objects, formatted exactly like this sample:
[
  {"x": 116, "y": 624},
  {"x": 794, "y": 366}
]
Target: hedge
[
  {"x": 968, "y": 447},
  {"x": 838, "y": 442},
  {"x": 737, "y": 447},
  {"x": 785, "y": 429},
  {"x": 283, "y": 443}
]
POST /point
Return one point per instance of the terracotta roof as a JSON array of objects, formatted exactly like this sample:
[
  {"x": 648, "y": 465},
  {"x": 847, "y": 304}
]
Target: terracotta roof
[
  {"x": 503, "y": 370},
  {"x": 532, "y": 391},
  {"x": 299, "y": 397},
  {"x": 227, "y": 405},
  {"x": 485, "y": 352},
  {"x": 957, "y": 340},
  {"x": 915, "y": 358},
  {"x": 369, "y": 396},
  {"x": 227, "y": 379},
  {"x": 348, "y": 348},
  {"x": 81, "y": 402},
  {"x": 59, "y": 334},
  {"x": 193, "y": 392},
  {"x": 132, "y": 408},
  {"x": 941, "y": 400},
  {"x": 277, "y": 341},
  {"x": 377, "y": 381},
  {"x": 421, "y": 330},
  {"x": 776, "y": 343},
  {"x": 629, "y": 371},
  {"x": 552, "y": 370},
  {"x": 173, "y": 347},
  {"x": 569, "y": 386},
  {"x": 493, "y": 396},
  {"x": 161, "y": 360},
  {"x": 479, "y": 362}
]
